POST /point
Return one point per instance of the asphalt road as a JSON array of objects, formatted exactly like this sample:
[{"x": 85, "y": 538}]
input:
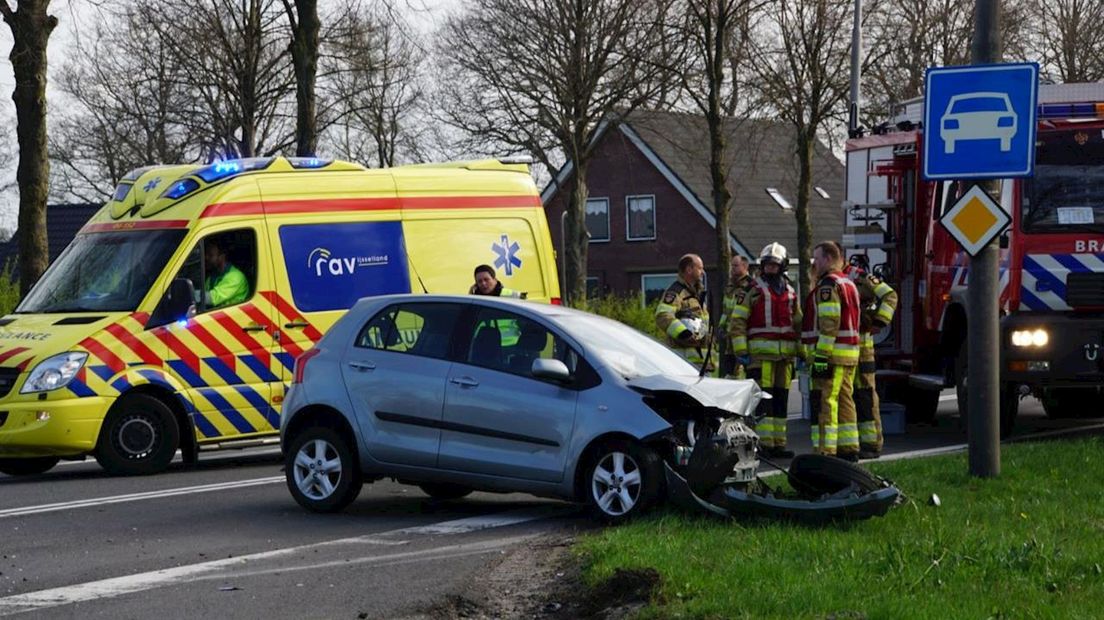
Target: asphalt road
[{"x": 225, "y": 539}]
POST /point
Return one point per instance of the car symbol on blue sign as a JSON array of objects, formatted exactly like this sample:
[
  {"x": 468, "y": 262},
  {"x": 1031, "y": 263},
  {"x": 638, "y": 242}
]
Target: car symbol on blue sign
[{"x": 979, "y": 121}]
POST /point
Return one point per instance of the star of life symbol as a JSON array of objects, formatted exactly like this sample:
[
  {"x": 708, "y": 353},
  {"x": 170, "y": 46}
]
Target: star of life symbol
[
  {"x": 153, "y": 183},
  {"x": 507, "y": 253}
]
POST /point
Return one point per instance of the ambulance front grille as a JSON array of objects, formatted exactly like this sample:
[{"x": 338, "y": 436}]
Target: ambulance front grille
[
  {"x": 1085, "y": 290},
  {"x": 8, "y": 377}
]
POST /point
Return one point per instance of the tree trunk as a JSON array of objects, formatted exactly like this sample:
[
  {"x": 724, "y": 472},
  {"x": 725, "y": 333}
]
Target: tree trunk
[
  {"x": 31, "y": 28},
  {"x": 804, "y": 226},
  {"x": 721, "y": 196},
  {"x": 576, "y": 241},
  {"x": 304, "y": 54}
]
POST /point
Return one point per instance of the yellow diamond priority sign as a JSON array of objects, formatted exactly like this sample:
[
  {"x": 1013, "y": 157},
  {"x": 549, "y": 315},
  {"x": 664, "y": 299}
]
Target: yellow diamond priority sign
[{"x": 975, "y": 220}]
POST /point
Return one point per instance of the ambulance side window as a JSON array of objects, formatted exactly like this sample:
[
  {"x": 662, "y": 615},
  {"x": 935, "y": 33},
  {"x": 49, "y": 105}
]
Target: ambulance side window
[{"x": 223, "y": 269}]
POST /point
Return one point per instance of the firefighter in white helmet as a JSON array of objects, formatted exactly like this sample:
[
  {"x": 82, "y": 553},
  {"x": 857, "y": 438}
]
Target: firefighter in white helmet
[{"x": 763, "y": 330}]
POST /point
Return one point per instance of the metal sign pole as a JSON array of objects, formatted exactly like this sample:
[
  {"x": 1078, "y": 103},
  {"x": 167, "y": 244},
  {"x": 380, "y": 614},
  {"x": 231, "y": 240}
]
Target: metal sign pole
[
  {"x": 856, "y": 70},
  {"x": 983, "y": 376}
]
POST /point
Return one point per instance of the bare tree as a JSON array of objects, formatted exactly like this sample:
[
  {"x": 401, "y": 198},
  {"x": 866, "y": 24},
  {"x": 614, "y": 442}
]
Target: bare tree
[
  {"x": 232, "y": 56},
  {"x": 31, "y": 27},
  {"x": 802, "y": 65},
  {"x": 114, "y": 125},
  {"x": 540, "y": 76},
  {"x": 905, "y": 37},
  {"x": 717, "y": 30},
  {"x": 375, "y": 72},
  {"x": 305, "y": 30},
  {"x": 1068, "y": 39}
]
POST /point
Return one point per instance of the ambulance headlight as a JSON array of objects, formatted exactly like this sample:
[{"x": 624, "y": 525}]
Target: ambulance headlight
[
  {"x": 54, "y": 372},
  {"x": 1030, "y": 338}
]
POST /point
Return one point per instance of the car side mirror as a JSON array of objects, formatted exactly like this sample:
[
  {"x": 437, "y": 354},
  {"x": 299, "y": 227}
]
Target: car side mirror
[
  {"x": 551, "y": 369},
  {"x": 178, "y": 303}
]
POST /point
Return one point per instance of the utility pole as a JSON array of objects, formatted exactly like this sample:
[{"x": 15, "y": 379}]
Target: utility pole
[
  {"x": 856, "y": 72},
  {"x": 983, "y": 373}
]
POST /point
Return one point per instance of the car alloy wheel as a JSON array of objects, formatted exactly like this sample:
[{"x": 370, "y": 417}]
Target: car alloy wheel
[
  {"x": 317, "y": 469},
  {"x": 616, "y": 484}
]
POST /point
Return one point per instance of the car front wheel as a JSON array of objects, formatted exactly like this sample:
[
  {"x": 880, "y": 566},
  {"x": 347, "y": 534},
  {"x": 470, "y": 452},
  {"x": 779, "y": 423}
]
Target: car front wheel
[
  {"x": 321, "y": 471},
  {"x": 623, "y": 480}
]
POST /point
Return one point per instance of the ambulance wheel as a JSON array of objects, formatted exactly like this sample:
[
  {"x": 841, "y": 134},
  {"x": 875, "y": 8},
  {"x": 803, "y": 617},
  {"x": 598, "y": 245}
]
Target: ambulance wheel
[
  {"x": 623, "y": 479},
  {"x": 139, "y": 437},
  {"x": 28, "y": 466},
  {"x": 321, "y": 470}
]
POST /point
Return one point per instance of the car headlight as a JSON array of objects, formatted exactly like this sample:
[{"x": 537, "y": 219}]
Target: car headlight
[
  {"x": 1030, "y": 338},
  {"x": 54, "y": 372}
]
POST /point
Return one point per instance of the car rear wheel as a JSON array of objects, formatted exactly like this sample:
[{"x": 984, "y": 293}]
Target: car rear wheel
[
  {"x": 624, "y": 479},
  {"x": 321, "y": 472},
  {"x": 139, "y": 437},
  {"x": 28, "y": 466},
  {"x": 444, "y": 490}
]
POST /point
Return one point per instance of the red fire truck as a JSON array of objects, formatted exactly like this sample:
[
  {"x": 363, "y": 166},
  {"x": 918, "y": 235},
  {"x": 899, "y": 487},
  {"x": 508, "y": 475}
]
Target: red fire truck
[{"x": 1051, "y": 267}]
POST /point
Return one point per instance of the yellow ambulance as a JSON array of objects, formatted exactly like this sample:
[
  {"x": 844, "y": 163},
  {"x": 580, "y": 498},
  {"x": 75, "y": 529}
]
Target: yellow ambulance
[{"x": 173, "y": 319}]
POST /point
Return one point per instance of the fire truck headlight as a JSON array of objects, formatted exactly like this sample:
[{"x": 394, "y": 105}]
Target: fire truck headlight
[{"x": 1030, "y": 338}]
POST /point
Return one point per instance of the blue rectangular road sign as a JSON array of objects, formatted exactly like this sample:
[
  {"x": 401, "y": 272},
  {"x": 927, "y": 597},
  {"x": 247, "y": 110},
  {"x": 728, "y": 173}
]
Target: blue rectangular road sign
[{"x": 979, "y": 121}]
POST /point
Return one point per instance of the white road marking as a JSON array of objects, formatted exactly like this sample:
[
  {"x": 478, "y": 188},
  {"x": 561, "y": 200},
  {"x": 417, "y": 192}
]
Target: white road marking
[
  {"x": 217, "y": 569},
  {"x": 135, "y": 497}
]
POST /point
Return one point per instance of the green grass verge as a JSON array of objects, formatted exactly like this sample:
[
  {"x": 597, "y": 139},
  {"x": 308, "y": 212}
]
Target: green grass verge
[{"x": 1029, "y": 544}]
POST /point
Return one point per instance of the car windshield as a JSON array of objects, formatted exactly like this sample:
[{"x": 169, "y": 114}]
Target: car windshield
[
  {"x": 103, "y": 272},
  {"x": 979, "y": 104},
  {"x": 624, "y": 350},
  {"x": 1067, "y": 192}
]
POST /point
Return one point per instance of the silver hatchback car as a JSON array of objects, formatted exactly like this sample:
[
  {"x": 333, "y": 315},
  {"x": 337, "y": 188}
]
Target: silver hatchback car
[{"x": 456, "y": 394}]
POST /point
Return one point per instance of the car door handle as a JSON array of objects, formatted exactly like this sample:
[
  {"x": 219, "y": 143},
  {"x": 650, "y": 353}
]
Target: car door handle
[
  {"x": 362, "y": 366},
  {"x": 294, "y": 324},
  {"x": 464, "y": 381},
  {"x": 253, "y": 328}
]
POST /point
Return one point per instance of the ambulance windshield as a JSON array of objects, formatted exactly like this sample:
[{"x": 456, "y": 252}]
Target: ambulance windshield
[
  {"x": 103, "y": 272},
  {"x": 1067, "y": 192}
]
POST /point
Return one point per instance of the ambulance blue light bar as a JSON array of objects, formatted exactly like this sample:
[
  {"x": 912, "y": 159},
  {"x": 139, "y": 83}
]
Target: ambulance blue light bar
[
  {"x": 1072, "y": 110},
  {"x": 225, "y": 169},
  {"x": 308, "y": 162},
  {"x": 181, "y": 188}
]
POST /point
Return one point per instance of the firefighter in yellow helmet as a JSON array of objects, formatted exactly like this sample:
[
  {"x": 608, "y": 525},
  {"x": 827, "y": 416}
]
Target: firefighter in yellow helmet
[
  {"x": 878, "y": 302},
  {"x": 763, "y": 332},
  {"x": 683, "y": 314},
  {"x": 739, "y": 279}
]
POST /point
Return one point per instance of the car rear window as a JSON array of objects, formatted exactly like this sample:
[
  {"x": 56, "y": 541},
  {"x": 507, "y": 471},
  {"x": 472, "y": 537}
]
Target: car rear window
[{"x": 423, "y": 329}]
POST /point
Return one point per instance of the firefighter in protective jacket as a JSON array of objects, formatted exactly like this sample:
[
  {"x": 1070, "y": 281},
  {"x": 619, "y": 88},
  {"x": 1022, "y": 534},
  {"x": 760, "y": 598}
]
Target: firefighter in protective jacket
[
  {"x": 830, "y": 333},
  {"x": 739, "y": 281},
  {"x": 878, "y": 302},
  {"x": 763, "y": 336},
  {"x": 683, "y": 314}
]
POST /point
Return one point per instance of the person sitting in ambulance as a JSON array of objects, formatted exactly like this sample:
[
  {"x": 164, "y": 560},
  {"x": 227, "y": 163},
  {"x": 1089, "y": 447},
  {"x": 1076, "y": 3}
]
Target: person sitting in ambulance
[
  {"x": 487, "y": 284},
  {"x": 226, "y": 285}
]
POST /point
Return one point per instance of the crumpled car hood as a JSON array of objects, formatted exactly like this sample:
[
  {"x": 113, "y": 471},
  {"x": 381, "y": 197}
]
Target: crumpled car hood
[{"x": 737, "y": 396}]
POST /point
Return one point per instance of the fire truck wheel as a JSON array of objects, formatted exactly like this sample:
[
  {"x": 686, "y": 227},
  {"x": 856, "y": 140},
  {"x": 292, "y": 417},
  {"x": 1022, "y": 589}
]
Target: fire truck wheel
[
  {"x": 28, "y": 466},
  {"x": 139, "y": 437}
]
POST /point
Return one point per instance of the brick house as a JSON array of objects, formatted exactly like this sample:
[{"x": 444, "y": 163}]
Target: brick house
[
  {"x": 63, "y": 222},
  {"x": 650, "y": 197}
]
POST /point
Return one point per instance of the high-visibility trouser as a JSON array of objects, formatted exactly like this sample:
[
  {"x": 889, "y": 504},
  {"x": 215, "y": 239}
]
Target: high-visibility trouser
[
  {"x": 836, "y": 431},
  {"x": 774, "y": 377},
  {"x": 866, "y": 398}
]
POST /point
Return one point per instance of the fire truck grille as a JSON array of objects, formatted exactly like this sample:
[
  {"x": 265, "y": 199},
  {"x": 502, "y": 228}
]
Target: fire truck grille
[{"x": 1085, "y": 290}]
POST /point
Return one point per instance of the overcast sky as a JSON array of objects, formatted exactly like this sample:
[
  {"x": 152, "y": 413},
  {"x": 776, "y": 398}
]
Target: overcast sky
[{"x": 424, "y": 15}]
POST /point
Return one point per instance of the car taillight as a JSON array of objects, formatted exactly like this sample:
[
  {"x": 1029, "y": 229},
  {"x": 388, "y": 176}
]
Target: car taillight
[
  {"x": 301, "y": 364},
  {"x": 556, "y": 301}
]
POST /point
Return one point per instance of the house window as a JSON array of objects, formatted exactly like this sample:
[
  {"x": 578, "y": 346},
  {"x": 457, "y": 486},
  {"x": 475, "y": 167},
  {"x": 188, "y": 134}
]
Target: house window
[
  {"x": 597, "y": 219},
  {"x": 593, "y": 287},
  {"x": 779, "y": 198},
  {"x": 640, "y": 213}
]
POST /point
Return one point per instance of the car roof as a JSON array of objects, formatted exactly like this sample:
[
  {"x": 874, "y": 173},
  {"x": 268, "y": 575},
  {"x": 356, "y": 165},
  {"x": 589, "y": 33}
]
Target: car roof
[{"x": 549, "y": 310}]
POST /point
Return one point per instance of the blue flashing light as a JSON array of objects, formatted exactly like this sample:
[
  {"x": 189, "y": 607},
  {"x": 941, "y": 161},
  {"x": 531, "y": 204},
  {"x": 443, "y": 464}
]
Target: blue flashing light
[
  {"x": 121, "y": 191},
  {"x": 309, "y": 162},
  {"x": 182, "y": 323},
  {"x": 181, "y": 188},
  {"x": 1071, "y": 110},
  {"x": 224, "y": 169}
]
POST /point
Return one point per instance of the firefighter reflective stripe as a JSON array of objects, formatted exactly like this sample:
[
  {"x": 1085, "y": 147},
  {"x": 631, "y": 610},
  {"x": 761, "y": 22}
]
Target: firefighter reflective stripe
[
  {"x": 834, "y": 409},
  {"x": 739, "y": 344},
  {"x": 675, "y": 328},
  {"x": 885, "y": 309},
  {"x": 773, "y": 377}
]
